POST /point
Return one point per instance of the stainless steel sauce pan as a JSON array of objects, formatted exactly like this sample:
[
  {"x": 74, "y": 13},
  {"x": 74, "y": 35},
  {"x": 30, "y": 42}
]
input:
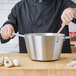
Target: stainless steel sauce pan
[{"x": 44, "y": 46}]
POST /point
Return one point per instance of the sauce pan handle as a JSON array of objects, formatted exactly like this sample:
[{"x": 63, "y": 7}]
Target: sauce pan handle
[
  {"x": 16, "y": 34},
  {"x": 67, "y": 37}
]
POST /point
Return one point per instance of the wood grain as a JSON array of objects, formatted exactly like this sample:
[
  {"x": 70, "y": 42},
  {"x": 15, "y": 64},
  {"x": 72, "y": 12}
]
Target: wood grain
[{"x": 34, "y": 68}]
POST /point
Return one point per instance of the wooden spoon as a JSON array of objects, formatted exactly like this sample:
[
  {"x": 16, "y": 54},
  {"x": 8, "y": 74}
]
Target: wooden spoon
[{"x": 60, "y": 30}]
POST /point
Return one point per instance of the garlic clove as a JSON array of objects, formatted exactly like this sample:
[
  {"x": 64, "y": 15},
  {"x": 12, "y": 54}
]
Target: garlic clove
[
  {"x": 1, "y": 61},
  {"x": 16, "y": 62},
  {"x": 7, "y": 58}
]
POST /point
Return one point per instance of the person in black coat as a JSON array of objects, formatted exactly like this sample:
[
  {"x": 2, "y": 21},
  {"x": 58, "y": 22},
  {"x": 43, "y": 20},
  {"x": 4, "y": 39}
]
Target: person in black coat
[{"x": 39, "y": 16}]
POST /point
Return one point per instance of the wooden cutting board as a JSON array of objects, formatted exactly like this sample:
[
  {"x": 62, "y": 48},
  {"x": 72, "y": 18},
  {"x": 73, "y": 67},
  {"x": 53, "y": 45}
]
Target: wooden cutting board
[{"x": 34, "y": 68}]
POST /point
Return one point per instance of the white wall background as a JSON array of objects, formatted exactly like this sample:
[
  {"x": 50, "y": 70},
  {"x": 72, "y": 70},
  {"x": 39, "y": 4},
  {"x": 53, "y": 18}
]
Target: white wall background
[
  {"x": 72, "y": 26},
  {"x": 5, "y": 8}
]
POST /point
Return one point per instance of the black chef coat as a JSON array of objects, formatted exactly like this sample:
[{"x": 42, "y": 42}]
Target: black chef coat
[{"x": 39, "y": 16}]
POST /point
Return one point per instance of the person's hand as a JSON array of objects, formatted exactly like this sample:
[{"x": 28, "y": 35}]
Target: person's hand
[
  {"x": 68, "y": 15},
  {"x": 6, "y": 31}
]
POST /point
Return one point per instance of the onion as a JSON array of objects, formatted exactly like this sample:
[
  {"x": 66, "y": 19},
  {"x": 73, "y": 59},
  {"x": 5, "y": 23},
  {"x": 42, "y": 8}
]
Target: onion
[{"x": 72, "y": 64}]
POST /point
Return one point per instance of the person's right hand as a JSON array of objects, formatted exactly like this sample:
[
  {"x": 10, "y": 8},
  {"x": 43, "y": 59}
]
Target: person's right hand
[{"x": 6, "y": 31}]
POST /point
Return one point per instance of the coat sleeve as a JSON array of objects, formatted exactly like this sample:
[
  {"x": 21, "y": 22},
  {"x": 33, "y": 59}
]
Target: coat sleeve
[
  {"x": 12, "y": 19},
  {"x": 69, "y": 4}
]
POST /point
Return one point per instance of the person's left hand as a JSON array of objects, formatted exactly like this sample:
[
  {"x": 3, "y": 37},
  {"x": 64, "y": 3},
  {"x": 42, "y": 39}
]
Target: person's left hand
[{"x": 68, "y": 15}]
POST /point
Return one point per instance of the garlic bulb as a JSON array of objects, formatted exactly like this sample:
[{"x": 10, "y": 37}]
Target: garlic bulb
[
  {"x": 16, "y": 62},
  {"x": 8, "y": 62},
  {"x": 1, "y": 61}
]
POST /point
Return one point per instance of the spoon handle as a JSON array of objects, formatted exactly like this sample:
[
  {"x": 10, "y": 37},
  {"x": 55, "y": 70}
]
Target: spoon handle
[{"x": 60, "y": 29}]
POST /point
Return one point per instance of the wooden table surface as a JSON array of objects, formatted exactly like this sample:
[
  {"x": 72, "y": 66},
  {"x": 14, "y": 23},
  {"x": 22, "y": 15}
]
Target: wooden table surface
[{"x": 34, "y": 68}]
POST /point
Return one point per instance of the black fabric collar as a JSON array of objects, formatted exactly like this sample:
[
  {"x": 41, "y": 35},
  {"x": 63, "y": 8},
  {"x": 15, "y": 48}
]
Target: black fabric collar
[{"x": 42, "y": 1}]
